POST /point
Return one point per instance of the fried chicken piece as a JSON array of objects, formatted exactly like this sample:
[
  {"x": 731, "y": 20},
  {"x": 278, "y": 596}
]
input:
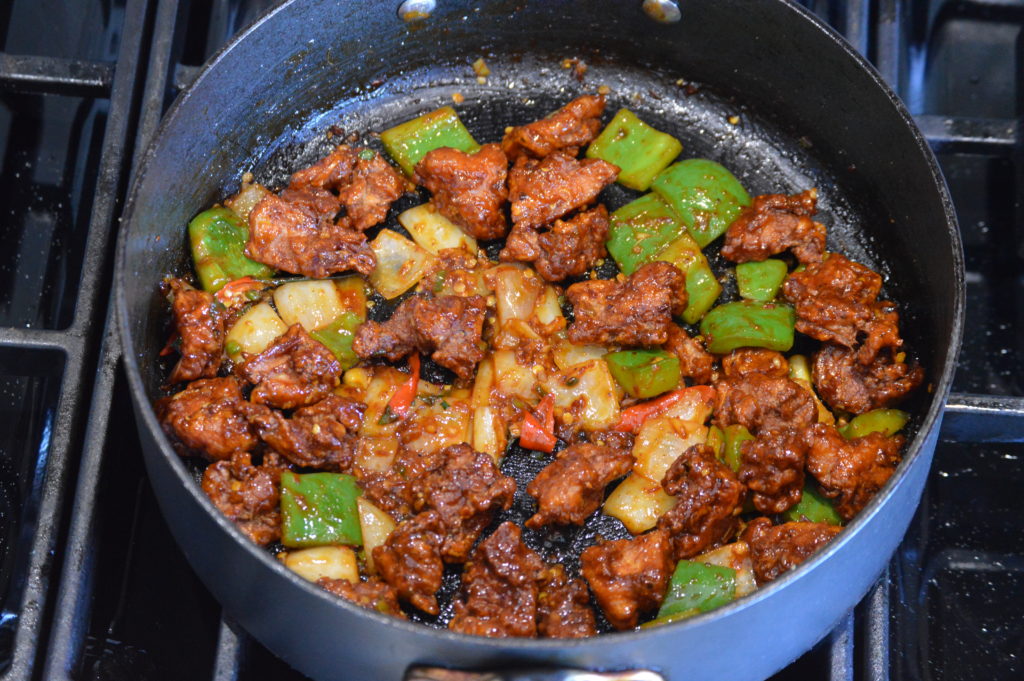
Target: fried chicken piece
[
  {"x": 851, "y": 472},
  {"x": 573, "y": 126},
  {"x": 543, "y": 191},
  {"x": 200, "y": 325},
  {"x": 500, "y": 587},
  {"x": 775, "y": 223},
  {"x": 468, "y": 189},
  {"x": 629, "y": 577},
  {"x": 776, "y": 550},
  {"x": 295, "y": 370},
  {"x": 637, "y": 312},
  {"x": 247, "y": 495},
  {"x": 322, "y": 436},
  {"x": 209, "y": 417},
  {"x": 708, "y": 496},
  {"x": 571, "y": 487},
  {"x": 844, "y": 383},
  {"x": 567, "y": 249},
  {"x": 449, "y": 327}
]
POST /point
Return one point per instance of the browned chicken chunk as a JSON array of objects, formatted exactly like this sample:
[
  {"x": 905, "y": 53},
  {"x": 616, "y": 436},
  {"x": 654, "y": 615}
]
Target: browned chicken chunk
[
  {"x": 365, "y": 183},
  {"x": 563, "y": 606},
  {"x": 294, "y": 371},
  {"x": 851, "y": 471},
  {"x": 247, "y": 495},
  {"x": 465, "y": 488},
  {"x": 836, "y": 301},
  {"x": 500, "y": 587},
  {"x": 777, "y": 549},
  {"x": 208, "y": 417},
  {"x": 573, "y": 126},
  {"x": 708, "y": 497},
  {"x": 762, "y": 403},
  {"x": 410, "y": 560},
  {"x": 449, "y": 327},
  {"x": 371, "y": 189},
  {"x": 636, "y": 312},
  {"x": 571, "y": 487},
  {"x": 468, "y": 189},
  {"x": 774, "y": 223},
  {"x": 292, "y": 237},
  {"x": 542, "y": 191},
  {"x": 319, "y": 436},
  {"x": 200, "y": 325},
  {"x": 629, "y": 576},
  {"x": 568, "y": 249},
  {"x": 772, "y": 468},
  {"x": 844, "y": 383},
  {"x": 695, "y": 362},
  {"x": 744, "y": 361},
  {"x": 373, "y": 594}
]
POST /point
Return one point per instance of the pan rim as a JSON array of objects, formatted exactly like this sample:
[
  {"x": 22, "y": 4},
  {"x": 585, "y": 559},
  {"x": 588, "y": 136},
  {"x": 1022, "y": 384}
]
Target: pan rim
[{"x": 929, "y": 424}]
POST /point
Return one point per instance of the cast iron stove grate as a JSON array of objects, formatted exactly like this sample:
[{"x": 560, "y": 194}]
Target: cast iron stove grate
[{"x": 92, "y": 584}]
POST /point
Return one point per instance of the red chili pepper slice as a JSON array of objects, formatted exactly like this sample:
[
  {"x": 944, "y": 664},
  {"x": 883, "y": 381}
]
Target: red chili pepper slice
[
  {"x": 233, "y": 292},
  {"x": 632, "y": 418},
  {"x": 538, "y": 429},
  {"x": 401, "y": 401}
]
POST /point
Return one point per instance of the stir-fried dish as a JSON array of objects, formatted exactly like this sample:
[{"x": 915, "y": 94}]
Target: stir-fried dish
[{"x": 360, "y": 401}]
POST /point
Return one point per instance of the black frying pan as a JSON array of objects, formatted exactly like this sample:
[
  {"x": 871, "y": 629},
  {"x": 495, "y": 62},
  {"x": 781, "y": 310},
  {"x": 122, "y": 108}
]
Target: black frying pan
[{"x": 810, "y": 113}]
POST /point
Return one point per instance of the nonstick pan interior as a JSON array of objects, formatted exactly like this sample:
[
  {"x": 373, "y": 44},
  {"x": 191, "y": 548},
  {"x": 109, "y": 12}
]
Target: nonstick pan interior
[{"x": 523, "y": 88}]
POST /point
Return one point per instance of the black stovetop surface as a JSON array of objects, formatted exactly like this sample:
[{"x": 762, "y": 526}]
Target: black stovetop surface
[{"x": 92, "y": 587}]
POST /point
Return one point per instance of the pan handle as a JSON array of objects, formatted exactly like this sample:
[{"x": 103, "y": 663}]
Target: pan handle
[
  {"x": 528, "y": 674},
  {"x": 983, "y": 418}
]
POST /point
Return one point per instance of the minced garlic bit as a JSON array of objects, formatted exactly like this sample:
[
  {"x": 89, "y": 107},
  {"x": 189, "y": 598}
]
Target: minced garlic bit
[
  {"x": 247, "y": 178},
  {"x": 600, "y": 262},
  {"x": 458, "y": 98},
  {"x": 480, "y": 68},
  {"x": 603, "y": 90},
  {"x": 370, "y": 303},
  {"x": 508, "y": 129},
  {"x": 481, "y": 80},
  {"x": 734, "y": 120},
  {"x": 567, "y": 417},
  {"x": 567, "y": 63}
]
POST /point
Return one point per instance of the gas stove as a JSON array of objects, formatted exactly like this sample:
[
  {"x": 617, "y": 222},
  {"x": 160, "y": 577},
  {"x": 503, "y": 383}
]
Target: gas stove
[{"x": 93, "y": 587}]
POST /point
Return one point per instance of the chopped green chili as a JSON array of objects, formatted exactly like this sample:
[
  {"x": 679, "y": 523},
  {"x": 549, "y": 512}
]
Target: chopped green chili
[
  {"x": 705, "y": 196},
  {"x": 640, "y": 151},
  {"x": 410, "y": 141},
  {"x": 318, "y": 509},
  {"x": 761, "y": 280},
  {"x": 748, "y": 323},
  {"x": 218, "y": 237},
  {"x": 644, "y": 373}
]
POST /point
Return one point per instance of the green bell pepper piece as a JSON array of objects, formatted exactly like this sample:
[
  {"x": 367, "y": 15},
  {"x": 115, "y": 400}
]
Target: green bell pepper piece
[
  {"x": 640, "y": 230},
  {"x": 339, "y": 334},
  {"x": 409, "y": 142},
  {"x": 218, "y": 237},
  {"x": 702, "y": 288},
  {"x": 813, "y": 507},
  {"x": 705, "y": 196},
  {"x": 747, "y": 323},
  {"x": 884, "y": 421},
  {"x": 696, "y": 587},
  {"x": 735, "y": 436},
  {"x": 640, "y": 151},
  {"x": 716, "y": 440},
  {"x": 318, "y": 509},
  {"x": 644, "y": 373},
  {"x": 338, "y": 337},
  {"x": 761, "y": 280}
]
